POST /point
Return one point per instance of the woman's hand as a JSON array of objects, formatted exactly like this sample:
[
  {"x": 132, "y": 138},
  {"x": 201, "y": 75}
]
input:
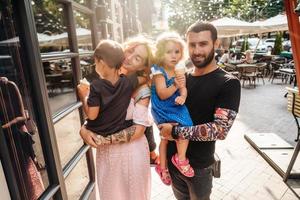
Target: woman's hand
[
  {"x": 93, "y": 139},
  {"x": 89, "y": 137},
  {"x": 3, "y": 80}
]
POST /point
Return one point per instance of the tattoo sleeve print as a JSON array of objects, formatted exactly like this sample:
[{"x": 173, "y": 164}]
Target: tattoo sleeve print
[
  {"x": 123, "y": 136},
  {"x": 216, "y": 130}
]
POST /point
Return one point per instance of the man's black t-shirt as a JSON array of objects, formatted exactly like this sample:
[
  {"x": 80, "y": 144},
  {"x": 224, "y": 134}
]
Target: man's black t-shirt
[{"x": 217, "y": 89}]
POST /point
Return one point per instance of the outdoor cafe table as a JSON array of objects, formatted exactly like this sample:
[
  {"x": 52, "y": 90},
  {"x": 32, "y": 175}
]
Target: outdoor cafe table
[
  {"x": 246, "y": 65},
  {"x": 235, "y": 62},
  {"x": 241, "y": 67}
]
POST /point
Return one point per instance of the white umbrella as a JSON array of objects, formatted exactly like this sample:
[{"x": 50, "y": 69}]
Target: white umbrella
[
  {"x": 83, "y": 38},
  {"x": 228, "y": 27},
  {"x": 42, "y": 38},
  {"x": 276, "y": 23}
]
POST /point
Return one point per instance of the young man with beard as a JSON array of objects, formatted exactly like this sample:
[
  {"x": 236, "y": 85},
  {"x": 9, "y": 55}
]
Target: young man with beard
[{"x": 213, "y": 102}]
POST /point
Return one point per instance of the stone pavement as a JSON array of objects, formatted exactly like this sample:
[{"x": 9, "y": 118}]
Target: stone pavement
[{"x": 244, "y": 173}]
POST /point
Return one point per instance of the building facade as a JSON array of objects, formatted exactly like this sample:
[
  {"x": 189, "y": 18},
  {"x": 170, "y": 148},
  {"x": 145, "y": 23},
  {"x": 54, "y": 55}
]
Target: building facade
[{"x": 46, "y": 47}]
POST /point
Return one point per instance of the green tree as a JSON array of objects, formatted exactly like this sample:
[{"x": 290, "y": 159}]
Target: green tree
[
  {"x": 278, "y": 44},
  {"x": 185, "y": 12},
  {"x": 245, "y": 45}
]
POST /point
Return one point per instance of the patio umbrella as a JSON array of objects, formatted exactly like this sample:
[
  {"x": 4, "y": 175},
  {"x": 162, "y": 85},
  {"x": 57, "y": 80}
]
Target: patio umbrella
[
  {"x": 276, "y": 23},
  {"x": 228, "y": 27},
  {"x": 42, "y": 38},
  {"x": 83, "y": 38}
]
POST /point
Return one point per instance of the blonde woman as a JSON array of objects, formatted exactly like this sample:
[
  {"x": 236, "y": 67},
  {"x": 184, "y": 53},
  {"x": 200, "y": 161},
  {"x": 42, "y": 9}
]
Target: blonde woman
[{"x": 122, "y": 159}]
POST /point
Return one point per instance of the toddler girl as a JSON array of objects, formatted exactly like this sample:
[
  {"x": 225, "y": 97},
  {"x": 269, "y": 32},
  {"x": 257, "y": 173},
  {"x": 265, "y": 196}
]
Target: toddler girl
[{"x": 167, "y": 101}]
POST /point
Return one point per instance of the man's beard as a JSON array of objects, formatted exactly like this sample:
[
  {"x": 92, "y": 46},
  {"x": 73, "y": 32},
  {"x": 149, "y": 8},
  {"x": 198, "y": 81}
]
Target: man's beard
[{"x": 206, "y": 61}]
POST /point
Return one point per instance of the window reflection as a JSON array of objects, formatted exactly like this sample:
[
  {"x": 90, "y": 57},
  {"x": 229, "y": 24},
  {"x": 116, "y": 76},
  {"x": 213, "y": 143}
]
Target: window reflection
[
  {"x": 83, "y": 31},
  {"x": 82, "y": 2},
  {"x": 51, "y": 26},
  {"x": 87, "y": 67},
  {"x": 60, "y": 85},
  {"x": 67, "y": 135},
  {"x": 110, "y": 31},
  {"x": 17, "y": 113}
]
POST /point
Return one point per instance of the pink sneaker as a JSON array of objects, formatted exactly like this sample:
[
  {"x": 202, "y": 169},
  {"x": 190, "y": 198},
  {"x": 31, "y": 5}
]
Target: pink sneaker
[
  {"x": 183, "y": 166},
  {"x": 164, "y": 175}
]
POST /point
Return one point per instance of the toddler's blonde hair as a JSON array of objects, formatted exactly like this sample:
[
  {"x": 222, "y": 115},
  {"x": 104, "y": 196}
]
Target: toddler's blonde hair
[{"x": 161, "y": 43}]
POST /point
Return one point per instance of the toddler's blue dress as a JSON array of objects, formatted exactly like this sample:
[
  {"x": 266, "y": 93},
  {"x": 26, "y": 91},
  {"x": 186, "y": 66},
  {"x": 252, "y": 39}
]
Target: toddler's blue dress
[{"x": 167, "y": 110}]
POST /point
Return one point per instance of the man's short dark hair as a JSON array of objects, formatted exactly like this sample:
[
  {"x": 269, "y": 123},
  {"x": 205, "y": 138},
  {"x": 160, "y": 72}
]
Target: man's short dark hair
[
  {"x": 110, "y": 52},
  {"x": 202, "y": 26}
]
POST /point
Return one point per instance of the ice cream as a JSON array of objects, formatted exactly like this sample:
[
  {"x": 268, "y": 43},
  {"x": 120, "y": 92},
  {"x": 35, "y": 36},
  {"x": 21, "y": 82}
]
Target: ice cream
[
  {"x": 84, "y": 82},
  {"x": 180, "y": 68}
]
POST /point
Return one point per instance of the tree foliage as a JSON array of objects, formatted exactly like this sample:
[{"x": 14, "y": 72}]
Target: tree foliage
[
  {"x": 185, "y": 12},
  {"x": 50, "y": 17},
  {"x": 245, "y": 45},
  {"x": 278, "y": 44}
]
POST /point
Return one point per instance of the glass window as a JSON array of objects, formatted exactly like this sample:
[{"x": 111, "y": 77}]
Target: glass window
[
  {"x": 110, "y": 34},
  {"x": 51, "y": 26},
  {"x": 83, "y": 31},
  {"x": 3, "y": 189},
  {"x": 87, "y": 67},
  {"x": 77, "y": 180},
  {"x": 17, "y": 112},
  {"x": 59, "y": 81},
  {"x": 82, "y": 2},
  {"x": 67, "y": 135}
]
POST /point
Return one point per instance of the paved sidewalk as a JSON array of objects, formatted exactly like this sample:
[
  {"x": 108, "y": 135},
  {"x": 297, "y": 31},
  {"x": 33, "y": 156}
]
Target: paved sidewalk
[{"x": 245, "y": 175}]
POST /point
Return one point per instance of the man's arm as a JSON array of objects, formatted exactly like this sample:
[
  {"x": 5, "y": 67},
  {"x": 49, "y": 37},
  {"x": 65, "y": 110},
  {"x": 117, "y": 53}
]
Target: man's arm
[
  {"x": 224, "y": 116},
  {"x": 216, "y": 130}
]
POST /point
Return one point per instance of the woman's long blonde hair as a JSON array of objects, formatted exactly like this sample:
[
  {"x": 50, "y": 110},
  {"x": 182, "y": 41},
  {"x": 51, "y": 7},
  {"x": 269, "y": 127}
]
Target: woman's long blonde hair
[
  {"x": 161, "y": 43},
  {"x": 148, "y": 44}
]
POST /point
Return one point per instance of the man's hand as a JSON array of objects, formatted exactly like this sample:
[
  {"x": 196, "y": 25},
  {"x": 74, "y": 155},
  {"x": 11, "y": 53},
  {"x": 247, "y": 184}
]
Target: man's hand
[{"x": 166, "y": 130}]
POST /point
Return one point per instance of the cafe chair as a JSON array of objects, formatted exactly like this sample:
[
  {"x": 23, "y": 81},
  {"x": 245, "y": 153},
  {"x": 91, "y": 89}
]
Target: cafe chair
[
  {"x": 249, "y": 74},
  {"x": 261, "y": 68}
]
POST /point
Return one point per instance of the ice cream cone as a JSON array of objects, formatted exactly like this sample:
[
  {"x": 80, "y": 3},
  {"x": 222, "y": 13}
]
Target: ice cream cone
[
  {"x": 180, "y": 68},
  {"x": 84, "y": 82}
]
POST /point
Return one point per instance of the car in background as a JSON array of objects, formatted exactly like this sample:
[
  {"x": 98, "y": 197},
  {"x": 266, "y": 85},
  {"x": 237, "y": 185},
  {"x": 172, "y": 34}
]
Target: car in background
[
  {"x": 269, "y": 42},
  {"x": 253, "y": 43}
]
